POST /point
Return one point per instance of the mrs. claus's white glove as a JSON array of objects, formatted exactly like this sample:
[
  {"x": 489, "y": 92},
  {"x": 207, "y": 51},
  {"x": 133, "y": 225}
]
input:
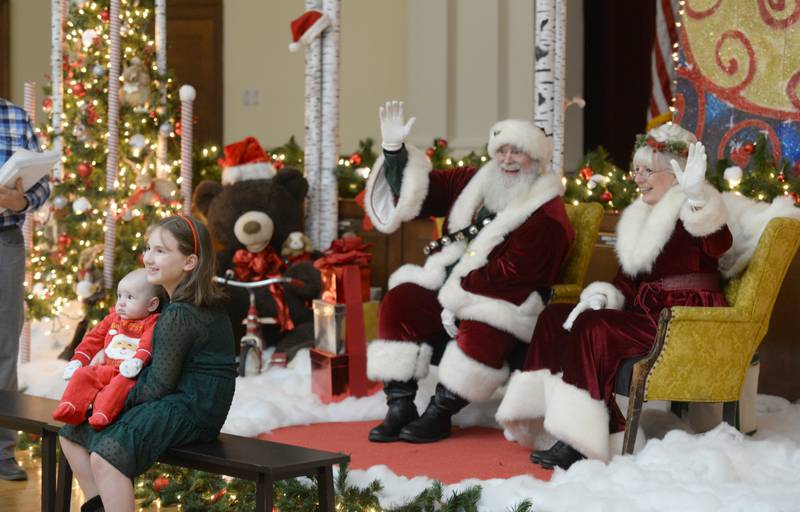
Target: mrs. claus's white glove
[
  {"x": 692, "y": 179},
  {"x": 72, "y": 366},
  {"x": 393, "y": 130},
  {"x": 597, "y": 301},
  {"x": 131, "y": 367},
  {"x": 449, "y": 322}
]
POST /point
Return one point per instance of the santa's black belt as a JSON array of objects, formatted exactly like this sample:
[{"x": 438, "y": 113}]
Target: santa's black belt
[{"x": 468, "y": 233}]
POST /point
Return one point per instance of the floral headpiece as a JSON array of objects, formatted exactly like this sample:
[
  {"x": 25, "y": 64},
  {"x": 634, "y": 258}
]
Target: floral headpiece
[{"x": 667, "y": 138}]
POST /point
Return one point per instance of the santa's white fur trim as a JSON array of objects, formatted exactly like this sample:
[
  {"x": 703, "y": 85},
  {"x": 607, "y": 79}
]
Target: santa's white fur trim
[
  {"x": 468, "y": 378},
  {"x": 747, "y": 219},
  {"x": 579, "y": 420},
  {"x": 524, "y": 136},
  {"x": 643, "y": 230},
  {"x": 379, "y": 201},
  {"x": 708, "y": 219},
  {"x": 524, "y": 404},
  {"x": 398, "y": 360},
  {"x": 615, "y": 299},
  {"x": 518, "y": 320},
  {"x": 246, "y": 172}
]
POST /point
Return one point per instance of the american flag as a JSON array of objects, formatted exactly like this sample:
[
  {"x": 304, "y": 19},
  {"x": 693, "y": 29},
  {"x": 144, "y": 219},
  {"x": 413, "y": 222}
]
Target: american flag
[{"x": 662, "y": 69}]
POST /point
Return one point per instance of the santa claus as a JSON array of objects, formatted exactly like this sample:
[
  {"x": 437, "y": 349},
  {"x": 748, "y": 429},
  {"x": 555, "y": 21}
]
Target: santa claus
[{"x": 484, "y": 282}]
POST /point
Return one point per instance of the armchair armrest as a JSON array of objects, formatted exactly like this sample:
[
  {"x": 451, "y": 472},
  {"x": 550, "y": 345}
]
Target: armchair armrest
[
  {"x": 565, "y": 294},
  {"x": 699, "y": 355}
]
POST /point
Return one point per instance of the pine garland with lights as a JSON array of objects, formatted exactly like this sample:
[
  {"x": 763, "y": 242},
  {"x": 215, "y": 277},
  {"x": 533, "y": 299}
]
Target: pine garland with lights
[{"x": 598, "y": 180}]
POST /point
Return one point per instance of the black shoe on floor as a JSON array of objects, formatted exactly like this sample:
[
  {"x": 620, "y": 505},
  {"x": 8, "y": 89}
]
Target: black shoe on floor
[
  {"x": 10, "y": 470},
  {"x": 560, "y": 454},
  {"x": 435, "y": 423}
]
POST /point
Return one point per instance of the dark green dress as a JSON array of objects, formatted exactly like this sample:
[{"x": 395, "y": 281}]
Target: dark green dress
[{"x": 182, "y": 397}]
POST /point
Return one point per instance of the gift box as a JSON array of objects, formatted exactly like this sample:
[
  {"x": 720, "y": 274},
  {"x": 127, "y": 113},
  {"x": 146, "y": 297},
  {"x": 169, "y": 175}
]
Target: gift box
[
  {"x": 330, "y": 326},
  {"x": 330, "y": 379},
  {"x": 346, "y": 254}
]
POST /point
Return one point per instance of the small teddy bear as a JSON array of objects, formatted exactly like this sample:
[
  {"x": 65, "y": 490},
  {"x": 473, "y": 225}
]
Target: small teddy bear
[{"x": 297, "y": 247}]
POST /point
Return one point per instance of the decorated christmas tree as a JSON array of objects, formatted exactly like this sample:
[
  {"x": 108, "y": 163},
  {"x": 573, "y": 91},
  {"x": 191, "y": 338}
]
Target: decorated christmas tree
[{"x": 68, "y": 250}]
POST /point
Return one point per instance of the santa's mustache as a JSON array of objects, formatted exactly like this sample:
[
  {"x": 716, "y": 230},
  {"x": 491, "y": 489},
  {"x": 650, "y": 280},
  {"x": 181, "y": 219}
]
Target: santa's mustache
[{"x": 510, "y": 167}]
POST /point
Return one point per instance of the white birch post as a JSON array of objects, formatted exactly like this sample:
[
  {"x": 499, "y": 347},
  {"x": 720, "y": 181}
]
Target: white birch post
[
  {"x": 559, "y": 86},
  {"x": 27, "y": 232},
  {"x": 56, "y": 79},
  {"x": 188, "y": 95},
  {"x": 328, "y": 211},
  {"x": 161, "y": 64},
  {"x": 544, "y": 63},
  {"x": 313, "y": 132},
  {"x": 113, "y": 143},
  {"x": 161, "y": 37}
]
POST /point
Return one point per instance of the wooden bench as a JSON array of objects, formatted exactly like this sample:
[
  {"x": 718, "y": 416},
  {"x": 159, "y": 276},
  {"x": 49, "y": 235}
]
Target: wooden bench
[{"x": 263, "y": 462}]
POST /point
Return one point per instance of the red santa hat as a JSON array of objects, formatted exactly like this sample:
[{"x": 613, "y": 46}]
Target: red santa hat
[
  {"x": 524, "y": 136},
  {"x": 308, "y": 26},
  {"x": 245, "y": 160}
]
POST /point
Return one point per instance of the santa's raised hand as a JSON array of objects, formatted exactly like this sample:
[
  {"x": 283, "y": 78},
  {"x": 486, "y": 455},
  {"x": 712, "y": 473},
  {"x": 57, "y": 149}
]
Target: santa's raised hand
[{"x": 394, "y": 130}]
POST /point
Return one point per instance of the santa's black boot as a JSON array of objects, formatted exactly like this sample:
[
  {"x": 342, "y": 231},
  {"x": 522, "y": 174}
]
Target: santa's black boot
[
  {"x": 93, "y": 505},
  {"x": 402, "y": 411},
  {"x": 434, "y": 424}
]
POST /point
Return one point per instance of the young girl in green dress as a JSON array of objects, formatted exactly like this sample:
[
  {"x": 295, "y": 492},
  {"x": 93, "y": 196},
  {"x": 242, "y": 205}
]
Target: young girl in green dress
[{"x": 184, "y": 395}]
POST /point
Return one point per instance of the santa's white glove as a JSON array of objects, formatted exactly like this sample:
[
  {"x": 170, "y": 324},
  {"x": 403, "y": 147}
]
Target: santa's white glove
[
  {"x": 131, "y": 367},
  {"x": 597, "y": 301},
  {"x": 72, "y": 366},
  {"x": 449, "y": 322},
  {"x": 393, "y": 131},
  {"x": 692, "y": 179}
]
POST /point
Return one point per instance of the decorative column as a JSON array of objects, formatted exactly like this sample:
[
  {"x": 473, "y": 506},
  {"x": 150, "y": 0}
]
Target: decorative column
[
  {"x": 328, "y": 212},
  {"x": 188, "y": 95},
  {"x": 313, "y": 132},
  {"x": 112, "y": 161},
  {"x": 161, "y": 65},
  {"x": 559, "y": 85},
  {"x": 56, "y": 79}
]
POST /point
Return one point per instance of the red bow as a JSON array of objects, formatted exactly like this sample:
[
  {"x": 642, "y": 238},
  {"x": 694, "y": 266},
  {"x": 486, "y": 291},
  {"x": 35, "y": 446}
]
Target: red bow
[
  {"x": 255, "y": 266},
  {"x": 348, "y": 250}
]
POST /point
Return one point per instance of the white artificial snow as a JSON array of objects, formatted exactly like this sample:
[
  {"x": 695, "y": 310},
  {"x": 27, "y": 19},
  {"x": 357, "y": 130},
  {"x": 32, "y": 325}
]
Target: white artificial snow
[{"x": 719, "y": 470}]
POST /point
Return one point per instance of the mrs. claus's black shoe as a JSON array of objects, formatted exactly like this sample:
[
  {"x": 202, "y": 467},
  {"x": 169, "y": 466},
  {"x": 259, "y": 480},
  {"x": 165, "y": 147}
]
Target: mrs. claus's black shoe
[{"x": 560, "y": 454}]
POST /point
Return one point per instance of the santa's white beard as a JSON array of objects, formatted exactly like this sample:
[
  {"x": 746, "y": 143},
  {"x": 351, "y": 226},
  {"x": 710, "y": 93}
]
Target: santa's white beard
[{"x": 505, "y": 188}]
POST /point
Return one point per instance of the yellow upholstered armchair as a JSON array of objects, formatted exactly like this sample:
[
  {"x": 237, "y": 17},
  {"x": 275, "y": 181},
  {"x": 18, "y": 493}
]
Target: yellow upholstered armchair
[
  {"x": 585, "y": 219},
  {"x": 702, "y": 354}
]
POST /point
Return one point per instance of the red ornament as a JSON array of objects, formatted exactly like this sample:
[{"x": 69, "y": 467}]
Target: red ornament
[
  {"x": 796, "y": 168},
  {"x": 430, "y": 152},
  {"x": 47, "y": 103},
  {"x": 277, "y": 165},
  {"x": 178, "y": 128},
  {"x": 781, "y": 178},
  {"x": 219, "y": 494},
  {"x": 84, "y": 170},
  {"x": 78, "y": 90},
  {"x": 160, "y": 483},
  {"x": 586, "y": 172},
  {"x": 355, "y": 159},
  {"x": 105, "y": 16},
  {"x": 749, "y": 148},
  {"x": 64, "y": 240},
  {"x": 56, "y": 256},
  {"x": 441, "y": 143},
  {"x": 606, "y": 196},
  {"x": 68, "y": 151},
  {"x": 91, "y": 115},
  {"x": 795, "y": 196}
]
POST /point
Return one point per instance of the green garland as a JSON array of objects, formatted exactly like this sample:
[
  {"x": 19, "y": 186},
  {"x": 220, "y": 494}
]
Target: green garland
[{"x": 675, "y": 147}]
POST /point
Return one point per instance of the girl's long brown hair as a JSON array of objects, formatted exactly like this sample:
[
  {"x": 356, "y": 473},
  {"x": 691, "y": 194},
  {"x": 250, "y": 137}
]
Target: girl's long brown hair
[{"x": 198, "y": 286}]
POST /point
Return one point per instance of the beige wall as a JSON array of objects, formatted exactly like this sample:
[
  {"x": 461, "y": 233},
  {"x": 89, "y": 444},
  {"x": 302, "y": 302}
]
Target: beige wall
[
  {"x": 460, "y": 65},
  {"x": 30, "y": 46}
]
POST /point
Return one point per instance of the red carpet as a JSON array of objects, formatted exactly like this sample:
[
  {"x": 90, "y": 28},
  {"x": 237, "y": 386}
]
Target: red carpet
[{"x": 473, "y": 452}]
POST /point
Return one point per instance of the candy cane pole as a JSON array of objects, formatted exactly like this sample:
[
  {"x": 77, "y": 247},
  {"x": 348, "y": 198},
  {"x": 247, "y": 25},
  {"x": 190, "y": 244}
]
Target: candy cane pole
[{"x": 188, "y": 95}]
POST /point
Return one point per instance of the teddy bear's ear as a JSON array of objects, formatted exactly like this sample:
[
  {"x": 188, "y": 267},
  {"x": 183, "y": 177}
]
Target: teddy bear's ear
[
  {"x": 205, "y": 192},
  {"x": 294, "y": 182}
]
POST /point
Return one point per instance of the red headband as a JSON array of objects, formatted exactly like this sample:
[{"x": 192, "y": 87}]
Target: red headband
[{"x": 194, "y": 232}]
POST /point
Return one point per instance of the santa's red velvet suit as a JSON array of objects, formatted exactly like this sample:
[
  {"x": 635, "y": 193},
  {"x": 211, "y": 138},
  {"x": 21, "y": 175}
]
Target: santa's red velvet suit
[
  {"x": 668, "y": 255},
  {"x": 491, "y": 284},
  {"x": 101, "y": 385}
]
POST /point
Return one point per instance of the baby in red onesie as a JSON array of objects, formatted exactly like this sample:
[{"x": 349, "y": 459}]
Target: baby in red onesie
[{"x": 125, "y": 336}]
